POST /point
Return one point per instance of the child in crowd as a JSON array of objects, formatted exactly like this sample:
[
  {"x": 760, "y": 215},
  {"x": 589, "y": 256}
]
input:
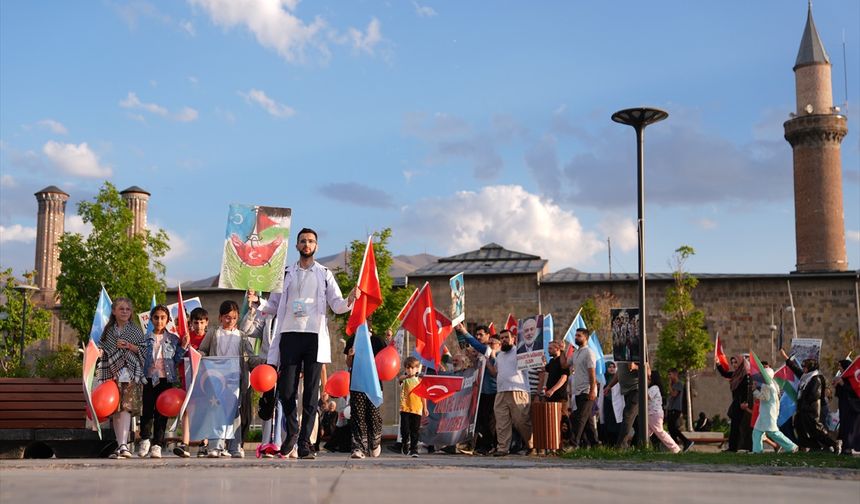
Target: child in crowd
[
  {"x": 197, "y": 326},
  {"x": 228, "y": 341},
  {"x": 366, "y": 418},
  {"x": 121, "y": 346},
  {"x": 162, "y": 352},
  {"x": 768, "y": 398},
  {"x": 412, "y": 407},
  {"x": 655, "y": 413}
]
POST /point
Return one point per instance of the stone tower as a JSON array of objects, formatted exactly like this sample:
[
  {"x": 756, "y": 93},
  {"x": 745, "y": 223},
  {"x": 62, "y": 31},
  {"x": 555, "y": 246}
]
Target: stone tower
[
  {"x": 815, "y": 133},
  {"x": 50, "y": 224},
  {"x": 137, "y": 200}
]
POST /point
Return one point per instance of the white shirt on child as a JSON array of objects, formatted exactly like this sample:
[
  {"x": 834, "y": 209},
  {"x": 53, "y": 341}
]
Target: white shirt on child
[{"x": 228, "y": 342}]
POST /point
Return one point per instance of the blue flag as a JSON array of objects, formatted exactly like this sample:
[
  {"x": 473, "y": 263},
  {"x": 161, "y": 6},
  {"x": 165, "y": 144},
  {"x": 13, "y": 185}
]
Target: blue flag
[
  {"x": 149, "y": 321},
  {"x": 547, "y": 334},
  {"x": 364, "y": 375},
  {"x": 578, "y": 323},
  {"x": 213, "y": 408},
  {"x": 787, "y": 407},
  {"x": 600, "y": 365},
  {"x": 100, "y": 319}
]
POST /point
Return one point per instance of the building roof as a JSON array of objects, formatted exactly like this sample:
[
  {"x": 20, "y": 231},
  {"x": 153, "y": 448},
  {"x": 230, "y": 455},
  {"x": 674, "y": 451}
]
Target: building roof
[
  {"x": 135, "y": 189},
  {"x": 53, "y": 190},
  {"x": 491, "y": 259},
  {"x": 811, "y": 50},
  {"x": 567, "y": 276}
]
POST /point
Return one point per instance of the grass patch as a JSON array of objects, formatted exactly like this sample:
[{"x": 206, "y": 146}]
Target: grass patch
[{"x": 809, "y": 460}]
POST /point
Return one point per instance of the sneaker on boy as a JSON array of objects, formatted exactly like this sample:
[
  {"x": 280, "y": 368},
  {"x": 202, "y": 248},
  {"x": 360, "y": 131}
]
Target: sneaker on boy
[
  {"x": 155, "y": 452},
  {"x": 143, "y": 448}
]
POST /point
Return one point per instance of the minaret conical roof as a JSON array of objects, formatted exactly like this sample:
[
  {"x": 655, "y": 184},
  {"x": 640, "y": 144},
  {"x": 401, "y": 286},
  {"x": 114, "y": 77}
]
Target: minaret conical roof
[{"x": 811, "y": 50}]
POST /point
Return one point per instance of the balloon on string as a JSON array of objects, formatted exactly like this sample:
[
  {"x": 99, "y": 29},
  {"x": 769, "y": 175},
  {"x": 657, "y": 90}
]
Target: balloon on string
[
  {"x": 338, "y": 384},
  {"x": 105, "y": 399},
  {"x": 169, "y": 402},
  {"x": 388, "y": 363},
  {"x": 263, "y": 378}
]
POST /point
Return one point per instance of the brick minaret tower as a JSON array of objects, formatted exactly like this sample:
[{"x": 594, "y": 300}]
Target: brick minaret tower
[
  {"x": 50, "y": 225},
  {"x": 815, "y": 132},
  {"x": 137, "y": 200}
]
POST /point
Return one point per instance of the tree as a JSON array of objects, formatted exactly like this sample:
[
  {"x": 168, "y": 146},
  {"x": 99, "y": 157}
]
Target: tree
[
  {"x": 12, "y": 306},
  {"x": 684, "y": 341},
  {"x": 392, "y": 300},
  {"x": 128, "y": 266},
  {"x": 596, "y": 311}
]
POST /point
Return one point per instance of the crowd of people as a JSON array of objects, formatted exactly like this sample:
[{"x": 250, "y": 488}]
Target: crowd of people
[{"x": 299, "y": 419}]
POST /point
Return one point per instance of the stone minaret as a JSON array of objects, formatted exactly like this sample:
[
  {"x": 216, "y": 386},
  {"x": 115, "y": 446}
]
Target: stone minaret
[
  {"x": 50, "y": 225},
  {"x": 815, "y": 132},
  {"x": 136, "y": 199}
]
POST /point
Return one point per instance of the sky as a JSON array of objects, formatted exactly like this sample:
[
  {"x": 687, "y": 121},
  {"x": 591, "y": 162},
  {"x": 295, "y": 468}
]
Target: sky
[{"x": 454, "y": 123}]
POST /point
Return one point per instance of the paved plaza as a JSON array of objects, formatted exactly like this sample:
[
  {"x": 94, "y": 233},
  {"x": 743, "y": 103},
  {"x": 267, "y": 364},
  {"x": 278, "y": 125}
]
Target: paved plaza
[{"x": 334, "y": 478}]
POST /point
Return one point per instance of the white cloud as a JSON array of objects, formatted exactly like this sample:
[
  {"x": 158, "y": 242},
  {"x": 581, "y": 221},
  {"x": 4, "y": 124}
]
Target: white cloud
[
  {"x": 187, "y": 114},
  {"x": 76, "y": 224},
  {"x": 8, "y": 181},
  {"x": 706, "y": 224},
  {"x": 188, "y": 28},
  {"x": 55, "y": 126},
  {"x": 424, "y": 10},
  {"x": 852, "y": 235},
  {"x": 366, "y": 42},
  {"x": 269, "y": 105},
  {"x": 274, "y": 26},
  {"x": 193, "y": 80},
  {"x": 178, "y": 246},
  {"x": 620, "y": 230},
  {"x": 505, "y": 214},
  {"x": 17, "y": 233},
  {"x": 76, "y": 159}
]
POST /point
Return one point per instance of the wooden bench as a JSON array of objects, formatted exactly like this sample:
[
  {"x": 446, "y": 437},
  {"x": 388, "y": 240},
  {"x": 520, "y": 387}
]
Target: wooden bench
[
  {"x": 41, "y": 418},
  {"x": 704, "y": 438}
]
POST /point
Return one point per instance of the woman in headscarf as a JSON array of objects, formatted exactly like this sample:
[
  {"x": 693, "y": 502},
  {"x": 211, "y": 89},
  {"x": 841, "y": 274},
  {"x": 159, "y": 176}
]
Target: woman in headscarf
[
  {"x": 811, "y": 433},
  {"x": 849, "y": 412},
  {"x": 740, "y": 433}
]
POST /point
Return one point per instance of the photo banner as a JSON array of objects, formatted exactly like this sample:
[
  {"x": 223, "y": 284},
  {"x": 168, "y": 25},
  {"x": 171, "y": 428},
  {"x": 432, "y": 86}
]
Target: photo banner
[
  {"x": 806, "y": 348},
  {"x": 625, "y": 334},
  {"x": 452, "y": 420},
  {"x": 531, "y": 344},
  {"x": 189, "y": 304},
  {"x": 458, "y": 299},
  {"x": 255, "y": 248}
]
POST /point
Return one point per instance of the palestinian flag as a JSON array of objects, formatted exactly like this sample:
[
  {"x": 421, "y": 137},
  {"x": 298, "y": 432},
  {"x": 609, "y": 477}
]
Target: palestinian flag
[
  {"x": 757, "y": 371},
  {"x": 787, "y": 381}
]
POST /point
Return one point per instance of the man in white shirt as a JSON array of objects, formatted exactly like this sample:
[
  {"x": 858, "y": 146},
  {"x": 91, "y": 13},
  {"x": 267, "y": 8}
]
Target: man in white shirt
[
  {"x": 512, "y": 403},
  {"x": 301, "y": 343}
]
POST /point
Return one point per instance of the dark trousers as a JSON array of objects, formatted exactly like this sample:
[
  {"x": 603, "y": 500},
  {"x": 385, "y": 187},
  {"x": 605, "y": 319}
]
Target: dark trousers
[
  {"x": 150, "y": 413},
  {"x": 628, "y": 418},
  {"x": 811, "y": 433},
  {"x": 366, "y": 422},
  {"x": 673, "y": 418},
  {"x": 486, "y": 423},
  {"x": 299, "y": 355},
  {"x": 583, "y": 422},
  {"x": 410, "y": 423},
  {"x": 740, "y": 430}
]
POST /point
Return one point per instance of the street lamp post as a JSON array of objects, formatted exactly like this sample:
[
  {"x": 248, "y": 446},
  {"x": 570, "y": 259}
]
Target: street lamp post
[
  {"x": 639, "y": 118},
  {"x": 24, "y": 289}
]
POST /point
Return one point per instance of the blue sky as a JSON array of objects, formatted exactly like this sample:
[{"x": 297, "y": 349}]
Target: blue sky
[{"x": 454, "y": 123}]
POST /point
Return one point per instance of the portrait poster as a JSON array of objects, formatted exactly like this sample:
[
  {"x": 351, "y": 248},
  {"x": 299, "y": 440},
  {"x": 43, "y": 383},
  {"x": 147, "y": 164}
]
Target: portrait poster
[
  {"x": 189, "y": 304},
  {"x": 458, "y": 299},
  {"x": 255, "y": 248},
  {"x": 625, "y": 334},
  {"x": 530, "y": 343},
  {"x": 806, "y": 348},
  {"x": 452, "y": 420}
]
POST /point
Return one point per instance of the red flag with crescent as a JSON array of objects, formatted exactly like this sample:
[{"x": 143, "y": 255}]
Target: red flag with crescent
[
  {"x": 720, "y": 356},
  {"x": 371, "y": 292},
  {"x": 421, "y": 322},
  {"x": 511, "y": 324},
  {"x": 436, "y": 388},
  {"x": 852, "y": 375}
]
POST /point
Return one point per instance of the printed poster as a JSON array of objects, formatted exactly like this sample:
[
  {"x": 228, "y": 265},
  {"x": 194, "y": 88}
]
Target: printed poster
[
  {"x": 625, "y": 334},
  {"x": 190, "y": 304},
  {"x": 255, "y": 248},
  {"x": 806, "y": 348},
  {"x": 452, "y": 420},
  {"x": 530, "y": 343},
  {"x": 458, "y": 299}
]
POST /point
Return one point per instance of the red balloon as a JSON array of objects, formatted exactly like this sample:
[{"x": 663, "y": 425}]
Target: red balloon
[
  {"x": 338, "y": 384},
  {"x": 170, "y": 402},
  {"x": 263, "y": 378},
  {"x": 105, "y": 399},
  {"x": 90, "y": 416},
  {"x": 388, "y": 363}
]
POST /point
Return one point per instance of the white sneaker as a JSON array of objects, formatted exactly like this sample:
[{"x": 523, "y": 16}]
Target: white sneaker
[
  {"x": 213, "y": 454},
  {"x": 240, "y": 453},
  {"x": 124, "y": 452},
  {"x": 357, "y": 454},
  {"x": 376, "y": 451},
  {"x": 143, "y": 448},
  {"x": 155, "y": 452},
  {"x": 294, "y": 453}
]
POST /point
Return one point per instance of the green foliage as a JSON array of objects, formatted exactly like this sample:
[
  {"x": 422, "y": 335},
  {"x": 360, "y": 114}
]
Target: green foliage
[
  {"x": 684, "y": 342},
  {"x": 590, "y": 315},
  {"x": 38, "y": 324},
  {"x": 128, "y": 266},
  {"x": 66, "y": 362},
  {"x": 392, "y": 301}
]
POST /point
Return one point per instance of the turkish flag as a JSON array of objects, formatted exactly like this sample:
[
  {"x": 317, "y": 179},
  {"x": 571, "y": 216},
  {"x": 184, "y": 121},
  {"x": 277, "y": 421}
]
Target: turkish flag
[
  {"x": 720, "y": 356},
  {"x": 421, "y": 322},
  {"x": 492, "y": 328},
  {"x": 368, "y": 285},
  {"x": 408, "y": 305},
  {"x": 511, "y": 324},
  {"x": 437, "y": 388},
  {"x": 852, "y": 375},
  {"x": 181, "y": 324}
]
